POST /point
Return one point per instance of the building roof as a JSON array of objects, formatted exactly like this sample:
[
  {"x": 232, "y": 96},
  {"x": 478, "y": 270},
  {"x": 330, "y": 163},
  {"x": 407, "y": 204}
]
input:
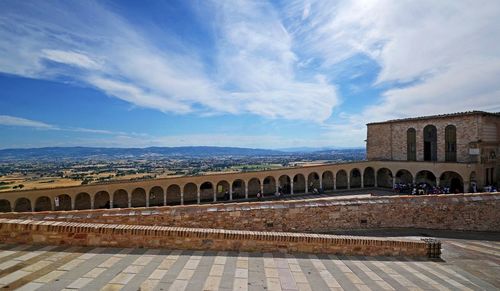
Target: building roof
[{"x": 457, "y": 114}]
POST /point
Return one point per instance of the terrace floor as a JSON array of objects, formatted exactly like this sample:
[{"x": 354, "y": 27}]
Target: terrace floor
[{"x": 470, "y": 261}]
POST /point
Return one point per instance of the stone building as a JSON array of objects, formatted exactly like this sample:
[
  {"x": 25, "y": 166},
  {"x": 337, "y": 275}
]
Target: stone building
[{"x": 467, "y": 137}]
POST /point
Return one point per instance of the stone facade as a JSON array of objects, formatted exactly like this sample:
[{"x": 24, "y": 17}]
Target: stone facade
[
  {"x": 107, "y": 235},
  {"x": 477, "y": 140},
  {"x": 477, "y": 212}
]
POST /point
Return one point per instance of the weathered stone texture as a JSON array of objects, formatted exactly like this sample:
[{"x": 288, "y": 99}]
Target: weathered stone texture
[{"x": 452, "y": 212}]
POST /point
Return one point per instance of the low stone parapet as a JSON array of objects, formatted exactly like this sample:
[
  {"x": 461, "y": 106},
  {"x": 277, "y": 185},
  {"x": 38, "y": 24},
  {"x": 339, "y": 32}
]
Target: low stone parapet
[{"x": 16, "y": 231}]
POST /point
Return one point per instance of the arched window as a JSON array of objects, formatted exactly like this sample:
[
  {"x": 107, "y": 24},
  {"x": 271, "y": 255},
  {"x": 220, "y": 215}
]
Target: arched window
[
  {"x": 430, "y": 143},
  {"x": 450, "y": 139},
  {"x": 411, "y": 144}
]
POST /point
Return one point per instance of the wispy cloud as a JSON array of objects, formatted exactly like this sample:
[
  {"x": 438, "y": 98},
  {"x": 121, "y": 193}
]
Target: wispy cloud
[{"x": 18, "y": 121}]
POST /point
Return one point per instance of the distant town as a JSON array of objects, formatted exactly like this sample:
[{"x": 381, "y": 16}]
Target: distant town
[{"x": 59, "y": 167}]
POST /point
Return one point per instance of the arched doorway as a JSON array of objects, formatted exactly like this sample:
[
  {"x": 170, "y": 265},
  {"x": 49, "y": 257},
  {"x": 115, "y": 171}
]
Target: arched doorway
[
  {"x": 313, "y": 181},
  {"x": 426, "y": 177},
  {"x": 173, "y": 195},
  {"x": 190, "y": 194},
  {"x": 206, "y": 192},
  {"x": 5, "y": 206},
  {"x": 63, "y": 202},
  {"x": 299, "y": 184},
  {"x": 341, "y": 178},
  {"x": 82, "y": 201},
  {"x": 453, "y": 181},
  {"x": 384, "y": 178},
  {"x": 284, "y": 184},
  {"x": 101, "y": 200},
  {"x": 156, "y": 196},
  {"x": 369, "y": 177},
  {"x": 269, "y": 185},
  {"x": 355, "y": 178},
  {"x": 223, "y": 190},
  {"x": 22, "y": 205},
  {"x": 327, "y": 181},
  {"x": 238, "y": 189},
  {"x": 430, "y": 143},
  {"x": 138, "y": 198},
  {"x": 404, "y": 177},
  {"x": 43, "y": 204},
  {"x": 120, "y": 199},
  {"x": 253, "y": 187}
]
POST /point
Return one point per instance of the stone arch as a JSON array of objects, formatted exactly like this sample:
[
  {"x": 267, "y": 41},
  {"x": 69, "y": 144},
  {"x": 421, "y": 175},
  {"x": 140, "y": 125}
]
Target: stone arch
[
  {"x": 238, "y": 189},
  {"x": 425, "y": 176},
  {"x": 120, "y": 199},
  {"x": 453, "y": 180},
  {"x": 404, "y": 176},
  {"x": 430, "y": 143},
  {"x": 284, "y": 184},
  {"x": 450, "y": 143},
  {"x": 269, "y": 185},
  {"x": 328, "y": 181},
  {"x": 411, "y": 144},
  {"x": 43, "y": 203},
  {"x": 5, "y": 205},
  {"x": 138, "y": 198},
  {"x": 207, "y": 192},
  {"x": 369, "y": 177},
  {"x": 174, "y": 194},
  {"x": 102, "y": 200},
  {"x": 313, "y": 181},
  {"x": 83, "y": 201},
  {"x": 22, "y": 205},
  {"x": 64, "y": 201},
  {"x": 156, "y": 196},
  {"x": 384, "y": 178},
  {"x": 355, "y": 178},
  {"x": 341, "y": 179},
  {"x": 253, "y": 187},
  {"x": 299, "y": 184},
  {"x": 190, "y": 193},
  {"x": 222, "y": 190}
]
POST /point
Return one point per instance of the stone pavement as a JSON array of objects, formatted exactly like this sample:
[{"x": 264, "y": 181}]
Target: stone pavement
[{"x": 468, "y": 264}]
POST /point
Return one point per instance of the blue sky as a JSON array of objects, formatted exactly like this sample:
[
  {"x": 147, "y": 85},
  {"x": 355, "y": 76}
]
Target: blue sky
[{"x": 238, "y": 73}]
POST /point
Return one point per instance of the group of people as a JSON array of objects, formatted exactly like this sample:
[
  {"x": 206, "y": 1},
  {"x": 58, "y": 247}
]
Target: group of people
[{"x": 422, "y": 189}]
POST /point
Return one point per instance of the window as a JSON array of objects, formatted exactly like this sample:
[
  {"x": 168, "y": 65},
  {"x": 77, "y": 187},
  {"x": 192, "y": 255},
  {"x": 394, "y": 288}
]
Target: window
[
  {"x": 411, "y": 144},
  {"x": 450, "y": 139}
]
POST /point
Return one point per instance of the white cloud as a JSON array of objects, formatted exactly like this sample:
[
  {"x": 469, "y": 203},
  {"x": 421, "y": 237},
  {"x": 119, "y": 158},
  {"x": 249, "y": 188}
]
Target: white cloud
[
  {"x": 255, "y": 61},
  {"x": 8, "y": 120}
]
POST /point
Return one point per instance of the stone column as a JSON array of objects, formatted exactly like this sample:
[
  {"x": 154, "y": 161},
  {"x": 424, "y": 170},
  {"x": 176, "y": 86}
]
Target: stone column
[
  {"x": 91, "y": 202},
  {"x": 231, "y": 191},
  {"x": 130, "y": 200},
  {"x": 73, "y": 204},
  {"x": 246, "y": 190},
  {"x": 320, "y": 181},
  {"x": 182, "y": 196},
  {"x": 165, "y": 197},
  {"x": 307, "y": 184},
  {"x": 215, "y": 195},
  {"x": 393, "y": 182},
  {"x": 362, "y": 182},
  {"x": 334, "y": 183},
  {"x": 277, "y": 186},
  {"x": 198, "y": 194},
  {"x": 147, "y": 198},
  {"x": 291, "y": 186},
  {"x": 110, "y": 203},
  {"x": 262, "y": 188},
  {"x": 348, "y": 180},
  {"x": 376, "y": 182},
  {"x": 466, "y": 186},
  {"x": 437, "y": 182}
]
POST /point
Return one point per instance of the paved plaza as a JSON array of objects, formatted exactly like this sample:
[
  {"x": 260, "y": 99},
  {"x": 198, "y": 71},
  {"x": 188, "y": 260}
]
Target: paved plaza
[{"x": 467, "y": 264}]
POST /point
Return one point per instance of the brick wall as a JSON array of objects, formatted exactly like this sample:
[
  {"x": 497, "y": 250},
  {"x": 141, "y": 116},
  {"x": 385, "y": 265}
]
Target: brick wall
[
  {"x": 453, "y": 212},
  {"x": 110, "y": 235}
]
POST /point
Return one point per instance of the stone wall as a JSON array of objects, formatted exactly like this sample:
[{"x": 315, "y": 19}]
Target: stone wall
[
  {"x": 109, "y": 235},
  {"x": 479, "y": 212}
]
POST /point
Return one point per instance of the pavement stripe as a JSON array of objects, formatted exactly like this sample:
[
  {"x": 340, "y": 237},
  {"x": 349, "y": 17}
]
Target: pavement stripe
[
  {"x": 161, "y": 270},
  {"x": 474, "y": 248},
  {"x": 214, "y": 277},
  {"x": 182, "y": 278},
  {"x": 327, "y": 276},
  {"x": 406, "y": 266},
  {"x": 431, "y": 267},
  {"x": 297, "y": 273},
  {"x": 229, "y": 271},
  {"x": 287, "y": 279},
  {"x": 11, "y": 259},
  {"x": 314, "y": 279},
  {"x": 367, "y": 275},
  {"x": 180, "y": 259},
  {"x": 202, "y": 271},
  {"x": 387, "y": 274},
  {"x": 241, "y": 272}
]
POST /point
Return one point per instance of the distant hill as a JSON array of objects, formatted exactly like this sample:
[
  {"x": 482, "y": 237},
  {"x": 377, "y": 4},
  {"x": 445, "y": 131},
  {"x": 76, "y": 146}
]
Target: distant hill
[{"x": 97, "y": 152}]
